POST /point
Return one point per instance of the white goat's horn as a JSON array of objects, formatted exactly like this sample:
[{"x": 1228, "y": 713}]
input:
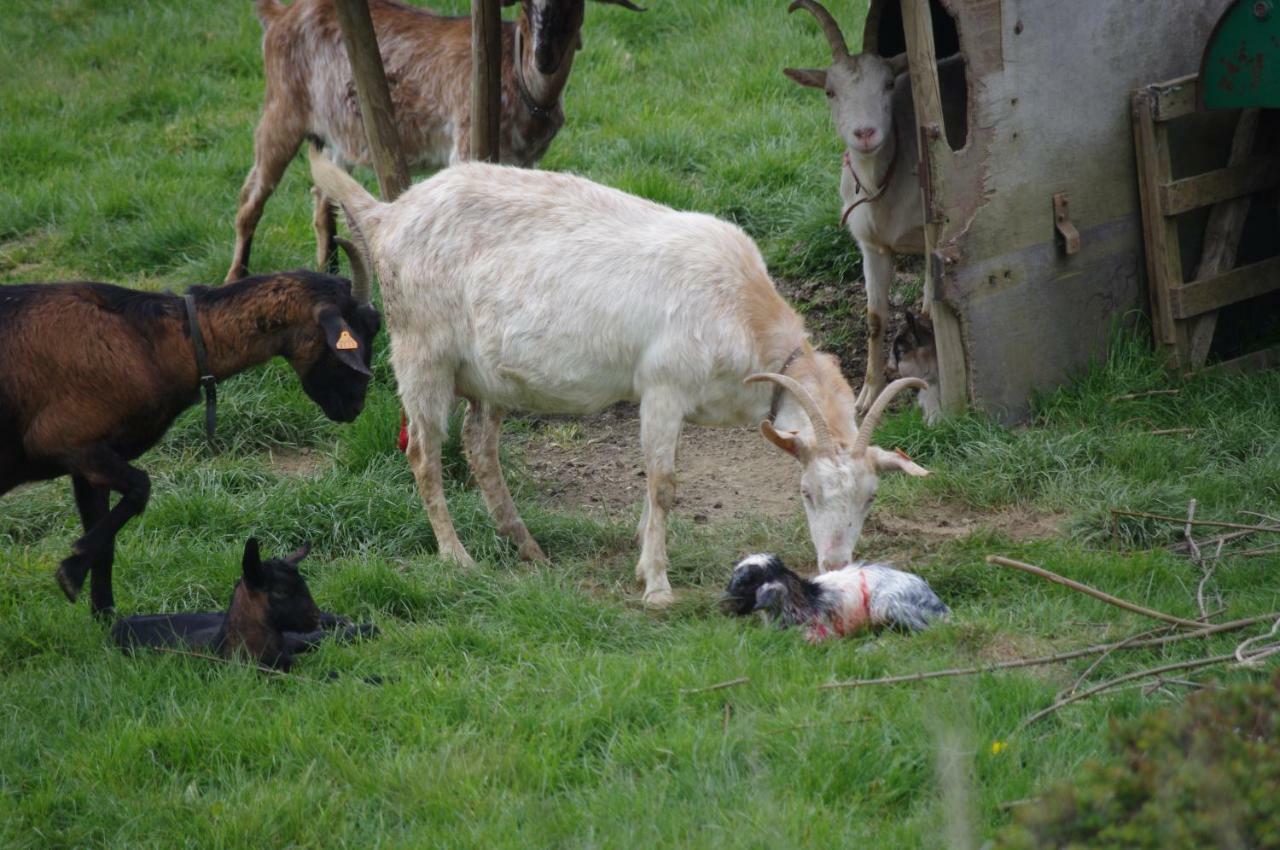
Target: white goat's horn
[
  {"x": 829, "y": 26},
  {"x": 361, "y": 287},
  {"x": 821, "y": 434},
  {"x": 882, "y": 401}
]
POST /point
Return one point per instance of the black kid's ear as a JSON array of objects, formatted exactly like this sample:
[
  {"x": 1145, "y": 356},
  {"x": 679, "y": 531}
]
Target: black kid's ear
[
  {"x": 814, "y": 78},
  {"x": 251, "y": 565},
  {"x": 294, "y": 558},
  {"x": 342, "y": 341}
]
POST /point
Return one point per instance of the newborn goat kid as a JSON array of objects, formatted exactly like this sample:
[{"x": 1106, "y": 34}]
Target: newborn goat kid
[
  {"x": 834, "y": 604},
  {"x": 271, "y": 618}
]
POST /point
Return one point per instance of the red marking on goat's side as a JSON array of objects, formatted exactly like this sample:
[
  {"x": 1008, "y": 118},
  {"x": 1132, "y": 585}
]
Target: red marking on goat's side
[
  {"x": 866, "y": 598},
  {"x": 403, "y": 441}
]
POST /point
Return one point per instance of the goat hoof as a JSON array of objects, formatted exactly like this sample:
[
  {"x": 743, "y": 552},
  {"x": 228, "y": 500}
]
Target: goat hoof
[
  {"x": 531, "y": 551},
  {"x": 105, "y": 614},
  {"x": 659, "y": 599},
  {"x": 70, "y": 576}
]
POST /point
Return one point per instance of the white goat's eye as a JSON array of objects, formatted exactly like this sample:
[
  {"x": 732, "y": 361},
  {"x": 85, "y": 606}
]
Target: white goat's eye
[{"x": 808, "y": 496}]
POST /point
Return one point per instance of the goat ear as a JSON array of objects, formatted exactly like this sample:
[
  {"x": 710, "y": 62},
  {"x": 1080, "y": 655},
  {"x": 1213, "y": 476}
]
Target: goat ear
[
  {"x": 294, "y": 558},
  {"x": 251, "y": 565},
  {"x": 342, "y": 340},
  {"x": 788, "y": 441},
  {"x": 895, "y": 461},
  {"x": 814, "y": 78},
  {"x": 898, "y": 64}
]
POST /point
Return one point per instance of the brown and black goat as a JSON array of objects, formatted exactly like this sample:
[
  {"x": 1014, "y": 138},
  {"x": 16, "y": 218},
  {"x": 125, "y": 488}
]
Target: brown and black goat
[
  {"x": 271, "y": 618},
  {"x": 95, "y": 374},
  {"x": 310, "y": 94}
]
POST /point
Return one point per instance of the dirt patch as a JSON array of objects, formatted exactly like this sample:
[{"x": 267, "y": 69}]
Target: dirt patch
[
  {"x": 594, "y": 464},
  {"x": 297, "y": 463}
]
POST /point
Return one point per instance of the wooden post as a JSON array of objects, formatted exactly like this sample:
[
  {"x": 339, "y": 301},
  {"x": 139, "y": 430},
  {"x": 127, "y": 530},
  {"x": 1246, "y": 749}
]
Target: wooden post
[
  {"x": 917, "y": 22},
  {"x": 486, "y": 78},
  {"x": 374, "y": 95}
]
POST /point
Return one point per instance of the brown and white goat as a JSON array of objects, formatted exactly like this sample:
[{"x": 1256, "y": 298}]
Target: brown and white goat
[
  {"x": 95, "y": 374},
  {"x": 871, "y": 103},
  {"x": 427, "y": 58},
  {"x": 593, "y": 296}
]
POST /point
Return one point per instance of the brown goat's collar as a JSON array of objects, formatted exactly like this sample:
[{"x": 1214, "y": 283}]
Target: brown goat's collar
[
  {"x": 206, "y": 376},
  {"x": 857, "y": 183},
  {"x": 542, "y": 113},
  {"x": 777, "y": 388}
]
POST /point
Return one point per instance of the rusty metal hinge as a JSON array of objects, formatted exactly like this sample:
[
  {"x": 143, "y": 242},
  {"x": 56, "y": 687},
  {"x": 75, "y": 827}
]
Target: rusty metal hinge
[{"x": 1068, "y": 236}]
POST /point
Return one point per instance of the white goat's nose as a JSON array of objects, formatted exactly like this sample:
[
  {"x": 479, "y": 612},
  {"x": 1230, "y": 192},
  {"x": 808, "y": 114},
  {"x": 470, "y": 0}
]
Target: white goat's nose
[{"x": 864, "y": 134}]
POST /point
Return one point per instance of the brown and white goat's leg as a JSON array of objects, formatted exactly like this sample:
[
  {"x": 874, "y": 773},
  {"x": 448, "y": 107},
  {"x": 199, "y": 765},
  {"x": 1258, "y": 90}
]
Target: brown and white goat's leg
[
  {"x": 480, "y": 432},
  {"x": 427, "y": 433},
  {"x": 102, "y": 469},
  {"x": 93, "y": 503},
  {"x": 324, "y": 224},
  {"x": 274, "y": 143},
  {"x": 661, "y": 417},
  {"x": 877, "y": 267}
]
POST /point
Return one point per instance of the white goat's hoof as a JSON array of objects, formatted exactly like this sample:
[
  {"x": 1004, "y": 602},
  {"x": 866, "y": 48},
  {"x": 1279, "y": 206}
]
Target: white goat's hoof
[{"x": 660, "y": 598}]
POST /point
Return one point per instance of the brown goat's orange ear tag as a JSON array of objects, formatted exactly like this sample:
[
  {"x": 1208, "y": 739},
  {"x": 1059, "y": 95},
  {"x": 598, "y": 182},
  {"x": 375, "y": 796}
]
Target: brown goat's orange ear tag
[{"x": 346, "y": 342}]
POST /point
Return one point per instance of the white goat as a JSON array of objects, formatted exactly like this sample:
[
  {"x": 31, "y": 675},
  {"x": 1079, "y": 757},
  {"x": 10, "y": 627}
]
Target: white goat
[
  {"x": 544, "y": 292},
  {"x": 871, "y": 103},
  {"x": 428, "y": 63}
]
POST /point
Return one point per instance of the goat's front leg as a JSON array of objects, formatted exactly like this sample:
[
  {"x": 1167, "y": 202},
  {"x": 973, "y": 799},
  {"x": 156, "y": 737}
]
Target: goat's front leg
[
  {"x": 877, "y": 267},
  {"x": 661, "y": 417},
  {"x": 324, "y": 223},
  {"x": 480, "y": 432},
  {"x": 426, "y": 436},
  {"x": 93, "y": 503},
  {"x": 101, "y": 469}
]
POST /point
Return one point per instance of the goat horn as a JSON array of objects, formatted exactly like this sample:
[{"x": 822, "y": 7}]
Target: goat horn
[
  {"x": 821, "y": 434},
  {"x": 829, "y": 26},
  {"x": 882, "y": 401},
  {"x": 361, "y": 288},
  {"x": 626, "y": 4}
]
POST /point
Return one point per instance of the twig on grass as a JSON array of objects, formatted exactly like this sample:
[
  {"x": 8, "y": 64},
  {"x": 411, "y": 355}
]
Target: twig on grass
[
  {"x": 1161, "y": 432},
  {"x": 1249, "y": 657},
  {"x": 1088, "y": 671},
  {"x": 1120, "y": 680},
  {"x": 1180, "y": 521},
  {"x": 718, "y": 686},
  {"x": 1233, "y": 626},
  {"x": 1090, "y": 591},
  {"x": 1145, "y": 394}
]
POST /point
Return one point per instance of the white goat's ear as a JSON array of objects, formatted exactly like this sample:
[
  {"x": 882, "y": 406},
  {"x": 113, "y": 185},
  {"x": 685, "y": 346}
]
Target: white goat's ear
[
  {"x": 898, "y": 64},
  {"x": 815, "y": 78},
  {"x": 788, "y": 441},
  {"x": 895, "y": 462}
]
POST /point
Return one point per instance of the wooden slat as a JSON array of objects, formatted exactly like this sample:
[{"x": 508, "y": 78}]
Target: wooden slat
[
  {"x": 1164, "y": 263},
  {"x": 1222, "y": 239},
  {"x": 486, "y": 77},
  {"x": 1192, "y": 299},
  {"x": 374, "y": 96},
  {"x": 1264, "y": 358},
  {"x": 1173, "y": 98},
  {"x": 1213, "y": 187}
]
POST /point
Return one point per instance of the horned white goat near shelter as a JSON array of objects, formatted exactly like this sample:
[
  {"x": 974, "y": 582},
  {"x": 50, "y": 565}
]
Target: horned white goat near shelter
[
  {"x": 544, "y": 292},
  {"x": 870, "y": 99}
]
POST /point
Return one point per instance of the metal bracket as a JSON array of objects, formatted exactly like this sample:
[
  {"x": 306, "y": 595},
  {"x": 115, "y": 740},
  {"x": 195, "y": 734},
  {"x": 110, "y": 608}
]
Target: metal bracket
[{"x": 1068, "y": 236}]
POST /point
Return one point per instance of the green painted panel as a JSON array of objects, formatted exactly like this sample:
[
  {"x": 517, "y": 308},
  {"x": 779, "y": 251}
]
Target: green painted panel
[{"x": 1241, "y": 65}]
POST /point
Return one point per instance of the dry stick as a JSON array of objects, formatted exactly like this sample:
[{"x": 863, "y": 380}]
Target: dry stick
[
  {"x": 1088, "y": 671},
  {"x": 1251, "y": 553},
  {"x": 1166, "y": 431},
  {"x": 1224, "y": 538},
  {"x": 1233, "y": 626},
  {"x": 1194, "y": 551},
  {"x": 1090, "y": 591},
  {"x": 1180, "y": 521},
  {"x": 718, "y": 686},
  {"x": 1120, "y": 680},
  {"x": 1267, "y": 517},
  {"x": 1148, "y": 393}
]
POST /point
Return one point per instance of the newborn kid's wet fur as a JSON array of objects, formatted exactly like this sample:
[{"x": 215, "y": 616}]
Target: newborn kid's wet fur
[{"x": 833, "y": 604}]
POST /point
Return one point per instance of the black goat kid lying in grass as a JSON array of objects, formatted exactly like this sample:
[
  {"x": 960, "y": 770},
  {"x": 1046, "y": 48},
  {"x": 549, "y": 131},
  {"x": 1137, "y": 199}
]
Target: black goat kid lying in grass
[
  {"x": 833, "y": 604},
  {"x": 92, "y": 375},
  {"x": 271, "y": 618}
]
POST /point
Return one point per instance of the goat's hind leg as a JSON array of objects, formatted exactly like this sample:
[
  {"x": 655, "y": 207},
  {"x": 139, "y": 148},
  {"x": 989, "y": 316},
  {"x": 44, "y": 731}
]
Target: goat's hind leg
[
  {"x": 274, "y": 143},
  {"x": 93, "y": 503},
  {"x": 426, "y": 436},
  {"x": 480, "y": 432},
  {"x": 661, "y": 417},
  {"x": 324, "y": 223},
  {"x": 101, "y": 470}
]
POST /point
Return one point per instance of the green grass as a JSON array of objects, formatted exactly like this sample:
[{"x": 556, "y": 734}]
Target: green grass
[{"x": 540, "y": 706}]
